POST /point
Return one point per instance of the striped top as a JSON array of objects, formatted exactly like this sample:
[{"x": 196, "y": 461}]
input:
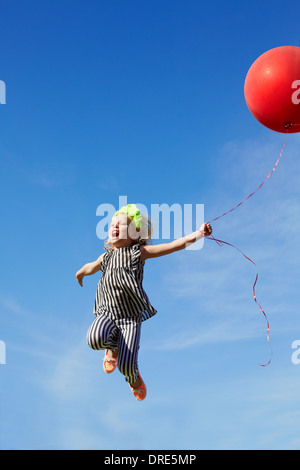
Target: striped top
[{"x": 120, "y": 293}]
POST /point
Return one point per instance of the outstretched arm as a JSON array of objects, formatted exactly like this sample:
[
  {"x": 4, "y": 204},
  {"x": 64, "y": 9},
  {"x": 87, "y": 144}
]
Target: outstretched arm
[
  {"x": 88, "y": 269},
  {"x": 154, "y": 251}
]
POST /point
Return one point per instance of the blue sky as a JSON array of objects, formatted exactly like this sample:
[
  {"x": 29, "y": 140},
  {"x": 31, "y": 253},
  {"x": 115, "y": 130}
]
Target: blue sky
[{"x": 145, "y": 99}]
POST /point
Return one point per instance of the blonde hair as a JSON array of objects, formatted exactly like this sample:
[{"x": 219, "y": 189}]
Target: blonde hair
[{"x": 145, "y": 237}]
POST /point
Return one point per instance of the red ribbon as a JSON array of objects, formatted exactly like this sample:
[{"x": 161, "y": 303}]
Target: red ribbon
[
  {"x": 252, "y": 194},
  {"x": 221, "y": 243}
]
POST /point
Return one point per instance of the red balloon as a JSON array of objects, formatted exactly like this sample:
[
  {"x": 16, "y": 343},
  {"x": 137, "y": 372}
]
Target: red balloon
[{"x": 272, "y": 89}]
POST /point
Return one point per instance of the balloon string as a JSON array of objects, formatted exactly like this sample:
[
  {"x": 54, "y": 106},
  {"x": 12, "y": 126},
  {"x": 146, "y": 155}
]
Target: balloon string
[
  {"x": 221, "y": 243},
  {"x": 252, "y": 194}
]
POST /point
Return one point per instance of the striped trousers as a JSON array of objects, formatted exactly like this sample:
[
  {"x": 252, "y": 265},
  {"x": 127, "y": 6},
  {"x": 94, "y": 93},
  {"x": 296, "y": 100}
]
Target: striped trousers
[{"x": 122, "y": 335}]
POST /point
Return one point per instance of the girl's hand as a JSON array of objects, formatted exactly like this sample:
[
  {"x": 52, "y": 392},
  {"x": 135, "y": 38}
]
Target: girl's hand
[
  {"x": 206, "y": 229},
  {"x": 79, "y": 277},
  {"x": 88, "y": 269}
]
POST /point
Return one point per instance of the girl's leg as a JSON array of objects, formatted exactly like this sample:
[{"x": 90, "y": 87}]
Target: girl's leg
[
  {"x": 129, "y": 341},
  {"x": 103, "y": 334}
]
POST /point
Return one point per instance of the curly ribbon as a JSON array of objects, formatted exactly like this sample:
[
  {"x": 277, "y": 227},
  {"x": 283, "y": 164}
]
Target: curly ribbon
[
  {"x": 221, "y": 243},
  {"x": 252, "y": 194}
]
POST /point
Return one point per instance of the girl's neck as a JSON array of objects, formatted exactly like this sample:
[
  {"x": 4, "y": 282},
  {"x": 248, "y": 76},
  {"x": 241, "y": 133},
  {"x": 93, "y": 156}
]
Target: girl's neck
[{"x": 134, "y": 242}]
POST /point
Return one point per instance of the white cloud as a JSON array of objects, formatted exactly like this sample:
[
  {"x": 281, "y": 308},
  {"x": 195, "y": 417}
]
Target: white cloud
[{"x": 217, "y": 282}]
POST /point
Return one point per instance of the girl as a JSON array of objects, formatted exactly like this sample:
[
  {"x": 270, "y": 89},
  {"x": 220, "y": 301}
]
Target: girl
[{"x": 121, "y": 303}]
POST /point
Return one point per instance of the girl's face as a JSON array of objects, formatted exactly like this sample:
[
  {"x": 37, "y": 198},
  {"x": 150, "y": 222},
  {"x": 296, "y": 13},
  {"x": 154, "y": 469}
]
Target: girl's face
[{"x": 118, "y": 231}]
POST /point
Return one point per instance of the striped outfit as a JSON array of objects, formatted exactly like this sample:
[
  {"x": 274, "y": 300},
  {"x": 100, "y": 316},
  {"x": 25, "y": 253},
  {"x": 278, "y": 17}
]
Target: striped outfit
[{"x": 121, "y": 305}]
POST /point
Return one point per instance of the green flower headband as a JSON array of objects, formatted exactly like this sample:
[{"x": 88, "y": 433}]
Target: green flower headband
[{"x": 133, "y": 213}]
